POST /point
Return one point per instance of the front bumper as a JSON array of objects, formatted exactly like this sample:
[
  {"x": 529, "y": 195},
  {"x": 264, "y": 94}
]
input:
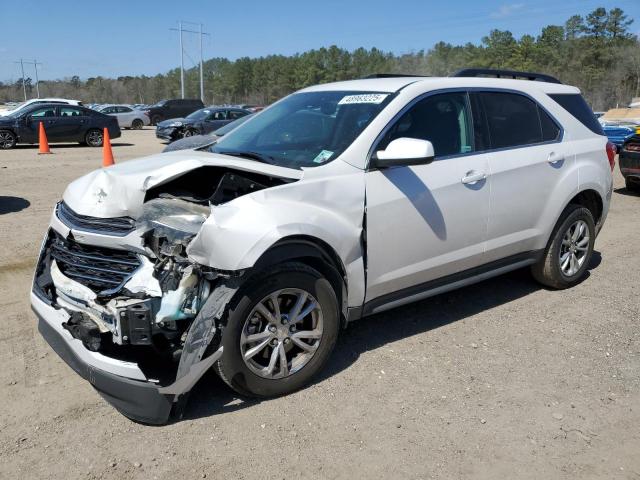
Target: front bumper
[
  {"x": 167, "y": 133},
  {"x": 130, "y": 387},
  {"x": 136, "y": 398}
]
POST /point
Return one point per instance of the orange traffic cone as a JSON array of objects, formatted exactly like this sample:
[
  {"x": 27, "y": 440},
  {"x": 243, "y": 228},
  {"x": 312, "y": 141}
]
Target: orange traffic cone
[
  {"x": 107, "y": 154},
  {"x": 42, "y": 140}
]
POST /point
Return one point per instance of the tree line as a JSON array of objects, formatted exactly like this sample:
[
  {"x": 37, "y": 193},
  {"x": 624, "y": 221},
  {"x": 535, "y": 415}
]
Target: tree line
[{"x": 596, "y": 53}]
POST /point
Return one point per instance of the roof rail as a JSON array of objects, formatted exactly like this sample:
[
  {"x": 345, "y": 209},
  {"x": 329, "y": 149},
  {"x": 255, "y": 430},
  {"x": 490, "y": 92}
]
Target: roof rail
[
  {"x": 490, "y": 72},
  {"x": 391, "y": 75}
]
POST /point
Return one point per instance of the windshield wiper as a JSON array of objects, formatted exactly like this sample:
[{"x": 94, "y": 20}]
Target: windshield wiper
[{"x": 250, "y": 155}]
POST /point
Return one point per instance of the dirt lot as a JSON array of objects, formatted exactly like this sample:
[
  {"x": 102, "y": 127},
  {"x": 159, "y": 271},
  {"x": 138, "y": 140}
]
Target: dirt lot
[{"x": 498, "y": 380}]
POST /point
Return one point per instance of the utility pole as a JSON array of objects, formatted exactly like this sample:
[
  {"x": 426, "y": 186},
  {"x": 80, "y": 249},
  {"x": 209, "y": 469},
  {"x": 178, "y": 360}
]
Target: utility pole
[
  {"x": 24, "y": 86},
  {"x": 180, "y": 29},
  {"x": 35, "y": 64},
  {"x": 201, "y": 67},
  {"x": 181, "y": 62},
  {"x": 35, "y": 67}
]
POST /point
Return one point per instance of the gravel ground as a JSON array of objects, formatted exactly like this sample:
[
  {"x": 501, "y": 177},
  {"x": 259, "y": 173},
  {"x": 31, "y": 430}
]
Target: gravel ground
[{"x": 499, "y": 380}]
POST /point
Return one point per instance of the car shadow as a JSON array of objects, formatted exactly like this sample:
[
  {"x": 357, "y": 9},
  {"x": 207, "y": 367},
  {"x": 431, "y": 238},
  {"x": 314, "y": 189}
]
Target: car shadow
[
  {"x": 627, "y": 192},
  {"x": 13, "y": 204},
  {"x": 211, "y": 396}
]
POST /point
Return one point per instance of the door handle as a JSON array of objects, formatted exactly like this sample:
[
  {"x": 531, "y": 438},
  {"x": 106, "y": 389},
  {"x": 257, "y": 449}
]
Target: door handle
[
  {"x": 472, "y": 177},
  {"x": 555, "y": 158}
]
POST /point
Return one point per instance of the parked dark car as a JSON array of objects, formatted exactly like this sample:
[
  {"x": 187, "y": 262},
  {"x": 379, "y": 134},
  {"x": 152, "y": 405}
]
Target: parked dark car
[
  {"x": 176, "y": 108},
  {"x": 629, "y": 161},
  {"x": 62, "y": 123},
  {"x": 198, "y": 141},
  {"x": 200, "y": 122},
  {"x": 618, "y": 133}
]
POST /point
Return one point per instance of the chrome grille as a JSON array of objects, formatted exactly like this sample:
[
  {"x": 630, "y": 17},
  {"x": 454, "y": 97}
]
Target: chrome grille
[
  {"x": 103, "y": 270},
  {"x": 117, "y": 226}
]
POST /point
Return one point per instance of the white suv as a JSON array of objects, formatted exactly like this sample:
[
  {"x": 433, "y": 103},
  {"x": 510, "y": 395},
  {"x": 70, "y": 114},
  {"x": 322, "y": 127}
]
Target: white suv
[{"x": 339, "y": 201}]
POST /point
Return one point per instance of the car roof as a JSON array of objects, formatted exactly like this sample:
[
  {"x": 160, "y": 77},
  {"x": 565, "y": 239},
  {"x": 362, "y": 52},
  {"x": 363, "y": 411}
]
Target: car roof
[{"x": 393, "y": 84}]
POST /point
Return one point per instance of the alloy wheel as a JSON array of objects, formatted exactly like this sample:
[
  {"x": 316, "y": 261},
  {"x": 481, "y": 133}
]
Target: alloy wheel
[
  {"x": 94, "y": 138},
  {"x": 7, "y": 140},
  {"x": 574, "y": 248},
  {"x": 282, "y": 333}
]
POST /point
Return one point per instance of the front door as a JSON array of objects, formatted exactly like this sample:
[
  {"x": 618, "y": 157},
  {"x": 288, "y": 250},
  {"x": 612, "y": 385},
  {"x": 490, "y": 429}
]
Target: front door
[
  {"x": 48, "y": 117},
  {"x": 428, "y": 221}
]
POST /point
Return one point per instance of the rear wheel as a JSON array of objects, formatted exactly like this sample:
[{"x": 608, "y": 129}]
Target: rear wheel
[
  {"x": 137, "y": 124},
  {"x": 7, "y": 139},
  {"x": 94, "y": 138},
  {"x": 280, "y": 332},
  {"x": 569, "y": 250}
]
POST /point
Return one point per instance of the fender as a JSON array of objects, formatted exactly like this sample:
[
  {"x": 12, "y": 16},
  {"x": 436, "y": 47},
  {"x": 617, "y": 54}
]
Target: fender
[{"x": 328, "y": 209}]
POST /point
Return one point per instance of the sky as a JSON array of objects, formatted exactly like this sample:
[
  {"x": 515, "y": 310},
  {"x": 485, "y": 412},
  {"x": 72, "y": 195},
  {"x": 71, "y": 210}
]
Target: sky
[{"x": 134, "y": 37}]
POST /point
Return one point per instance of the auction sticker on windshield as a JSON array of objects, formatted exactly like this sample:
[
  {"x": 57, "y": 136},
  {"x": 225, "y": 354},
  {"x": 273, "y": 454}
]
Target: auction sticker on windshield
[{"x": 375, "y": 98}]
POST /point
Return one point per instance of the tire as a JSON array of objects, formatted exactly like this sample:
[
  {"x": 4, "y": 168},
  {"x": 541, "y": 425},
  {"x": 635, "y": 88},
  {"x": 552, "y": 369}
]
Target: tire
[
  {"x": 7, "y": 139},
  {"x": 156, "y": 119},
  {"x": 189, "y": 133},
  {"x": 632, "y": 186},
  {"x": 550, "y": 270},
  {"x": 94, "y": 138},
  {"x": 252, "y": 377},
  {"x": 137, "y": 124}
]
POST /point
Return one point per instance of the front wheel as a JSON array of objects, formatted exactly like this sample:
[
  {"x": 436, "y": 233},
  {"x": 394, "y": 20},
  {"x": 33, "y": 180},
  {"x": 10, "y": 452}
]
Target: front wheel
[
  {"x": 280, "y": 332},
  {"x": 568, "y": 253},
  {"x": 188, "y": 133},
  {"x": 94, "y": 138},
  {"x": 7, "y": 139}
]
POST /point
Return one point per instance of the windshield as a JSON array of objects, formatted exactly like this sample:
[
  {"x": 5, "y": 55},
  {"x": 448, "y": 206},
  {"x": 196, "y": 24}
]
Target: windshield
[
  {"x": 199, "y": 114},
  {"x": 159, "y": 104},
  {"x": 305, "y": 129}
]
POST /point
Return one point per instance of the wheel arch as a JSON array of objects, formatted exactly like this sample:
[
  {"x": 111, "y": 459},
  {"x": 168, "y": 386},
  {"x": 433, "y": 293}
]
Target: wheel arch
[
  {"x": 591, "y": 200},
  {"x": 314, "y": 253}
]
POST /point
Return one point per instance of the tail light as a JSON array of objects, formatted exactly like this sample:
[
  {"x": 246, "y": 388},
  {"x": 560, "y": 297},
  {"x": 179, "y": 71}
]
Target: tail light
[
  {"x": 611, "y": 154},
  {"x": 146, "y": 112}
]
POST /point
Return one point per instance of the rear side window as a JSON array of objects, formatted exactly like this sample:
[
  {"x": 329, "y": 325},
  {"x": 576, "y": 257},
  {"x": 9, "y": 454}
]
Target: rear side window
[
  {"x": 509, "y": 120},
  {"x": 512, "y": 119},
  {"x": 576, "y": 106}
]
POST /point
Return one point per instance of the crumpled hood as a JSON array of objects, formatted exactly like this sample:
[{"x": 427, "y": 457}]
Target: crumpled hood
[{"x": 120, "y": 190}]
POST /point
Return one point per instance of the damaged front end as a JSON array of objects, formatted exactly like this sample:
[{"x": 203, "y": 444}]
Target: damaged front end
[{"x": 141, "y": 326}]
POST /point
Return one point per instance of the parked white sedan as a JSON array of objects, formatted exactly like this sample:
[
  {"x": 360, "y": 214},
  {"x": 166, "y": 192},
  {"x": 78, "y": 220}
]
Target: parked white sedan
[{"x": 127, "y": 116}]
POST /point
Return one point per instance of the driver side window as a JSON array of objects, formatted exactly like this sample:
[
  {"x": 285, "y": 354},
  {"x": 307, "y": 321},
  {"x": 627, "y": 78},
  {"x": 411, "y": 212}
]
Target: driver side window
[
  {"x": 43, "y": 112},
  {"x": 443, "y": 119}
]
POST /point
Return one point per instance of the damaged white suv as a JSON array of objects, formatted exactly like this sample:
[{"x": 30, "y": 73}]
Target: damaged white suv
[{"x": 339, "y": 201}]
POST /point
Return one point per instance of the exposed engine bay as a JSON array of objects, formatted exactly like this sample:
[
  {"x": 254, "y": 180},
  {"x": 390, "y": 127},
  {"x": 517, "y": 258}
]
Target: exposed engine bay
[{"x": 119, "y": 299}]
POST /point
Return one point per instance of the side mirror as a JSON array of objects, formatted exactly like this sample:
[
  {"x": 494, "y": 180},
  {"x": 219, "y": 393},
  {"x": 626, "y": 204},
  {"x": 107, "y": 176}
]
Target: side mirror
[{"x": 404, "y": 152}]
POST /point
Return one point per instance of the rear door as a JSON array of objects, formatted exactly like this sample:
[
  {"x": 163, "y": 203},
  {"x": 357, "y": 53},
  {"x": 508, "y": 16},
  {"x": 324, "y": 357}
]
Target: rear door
[
  {"x": 73, "y": 122},
  {"x": 527, "y": 160}
]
